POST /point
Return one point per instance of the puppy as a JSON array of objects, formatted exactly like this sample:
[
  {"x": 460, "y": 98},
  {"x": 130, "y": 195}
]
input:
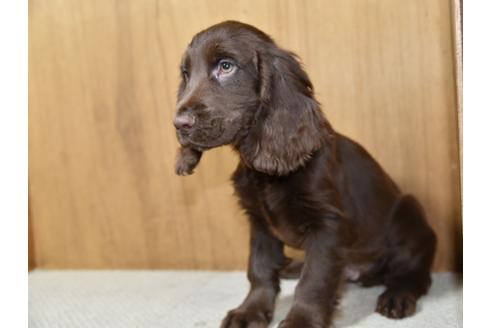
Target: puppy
[{"x": 300, "y": 182}]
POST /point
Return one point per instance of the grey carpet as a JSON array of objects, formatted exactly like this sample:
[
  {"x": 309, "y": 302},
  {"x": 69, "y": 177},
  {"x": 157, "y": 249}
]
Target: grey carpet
[{"x": 150, "y": 299}]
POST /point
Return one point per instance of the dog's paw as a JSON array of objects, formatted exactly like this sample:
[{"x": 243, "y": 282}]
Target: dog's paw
[
  {"x": 186, "y": 161},
  {"x": 298, "y": 322},
  {"x": 396, "y": 304},
  {"x": 239, "y": 318},
  {"x": 289, "y": 323},
  {"x": 305, "y": 317}
]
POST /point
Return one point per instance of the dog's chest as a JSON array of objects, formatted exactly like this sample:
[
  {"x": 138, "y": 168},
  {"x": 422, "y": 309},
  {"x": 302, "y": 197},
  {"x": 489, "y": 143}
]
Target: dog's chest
[
  {"x": 278, "y": 207},
  {"x": 282, "y": 224}
]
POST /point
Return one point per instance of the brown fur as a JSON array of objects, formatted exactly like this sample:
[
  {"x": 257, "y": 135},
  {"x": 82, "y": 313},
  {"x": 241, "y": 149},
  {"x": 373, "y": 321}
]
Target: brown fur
[{"x": 301, "y": 183}]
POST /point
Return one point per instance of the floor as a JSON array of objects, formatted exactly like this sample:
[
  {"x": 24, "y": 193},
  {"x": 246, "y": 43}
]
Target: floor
[{"x": 150, "y": 299}]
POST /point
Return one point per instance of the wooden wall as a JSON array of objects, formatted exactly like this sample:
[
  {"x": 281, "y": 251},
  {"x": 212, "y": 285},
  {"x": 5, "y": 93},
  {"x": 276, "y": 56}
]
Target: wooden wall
[{"x": 102, "y": 82}]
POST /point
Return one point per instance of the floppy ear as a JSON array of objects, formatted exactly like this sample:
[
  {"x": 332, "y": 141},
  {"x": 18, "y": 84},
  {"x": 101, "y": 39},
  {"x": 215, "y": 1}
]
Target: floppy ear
[
  {"x": 186, "y": 160},
  {"x": 289, "y": 125}
]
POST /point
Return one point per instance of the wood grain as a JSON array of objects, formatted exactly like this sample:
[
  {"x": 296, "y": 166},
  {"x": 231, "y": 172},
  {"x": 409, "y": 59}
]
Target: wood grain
[
  {"x": 458, "y": 72},
  {"x": 102, "y": 82}
]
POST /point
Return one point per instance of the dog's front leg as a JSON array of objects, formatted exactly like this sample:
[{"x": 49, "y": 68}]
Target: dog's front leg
[
  {"x": 316, "y": 293},
  {"x": 265, "y": 260}
]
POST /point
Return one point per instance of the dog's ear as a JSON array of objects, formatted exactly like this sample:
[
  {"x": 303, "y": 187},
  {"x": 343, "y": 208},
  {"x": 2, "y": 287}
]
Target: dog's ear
[
  {"x": 186, "y": 160},
  {"x": 289, "y": 126}
]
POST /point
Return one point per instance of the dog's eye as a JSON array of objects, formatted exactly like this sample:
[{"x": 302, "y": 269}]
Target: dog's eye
[
  {"x": 225, "y": 67},
  {"x": 185, "y": 74}
]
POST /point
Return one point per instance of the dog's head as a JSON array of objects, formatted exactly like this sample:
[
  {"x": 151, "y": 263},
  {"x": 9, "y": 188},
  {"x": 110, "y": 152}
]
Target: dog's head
[{"x": 239, "y": 88}]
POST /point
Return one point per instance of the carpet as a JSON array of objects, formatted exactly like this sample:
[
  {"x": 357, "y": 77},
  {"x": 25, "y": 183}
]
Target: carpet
[{"x": 148, "y": 299}]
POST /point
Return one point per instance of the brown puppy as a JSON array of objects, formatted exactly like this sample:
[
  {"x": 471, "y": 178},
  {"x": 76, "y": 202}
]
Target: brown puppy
[{"x": 301, "y": 183}]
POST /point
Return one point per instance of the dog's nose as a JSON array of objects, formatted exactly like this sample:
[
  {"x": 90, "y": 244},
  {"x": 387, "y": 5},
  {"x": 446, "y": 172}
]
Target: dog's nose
[{"x": 184, "y": 121}]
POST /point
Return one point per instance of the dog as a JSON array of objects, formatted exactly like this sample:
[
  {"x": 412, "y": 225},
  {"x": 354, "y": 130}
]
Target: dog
[{"x": 300, "y": 182}]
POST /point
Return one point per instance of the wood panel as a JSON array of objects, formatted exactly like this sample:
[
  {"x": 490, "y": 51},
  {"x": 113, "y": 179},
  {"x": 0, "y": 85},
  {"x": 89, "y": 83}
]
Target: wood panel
[{"x": 102, "y": 82}]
